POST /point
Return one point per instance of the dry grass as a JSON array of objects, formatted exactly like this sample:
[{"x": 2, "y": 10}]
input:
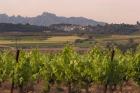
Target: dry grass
[
  {"x": 58, "y": 39},
  {"x": 54, "y": 39}
]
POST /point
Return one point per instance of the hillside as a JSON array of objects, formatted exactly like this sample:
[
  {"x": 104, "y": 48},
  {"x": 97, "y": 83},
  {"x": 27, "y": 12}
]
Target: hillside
[{"x": 47, "y": 19}]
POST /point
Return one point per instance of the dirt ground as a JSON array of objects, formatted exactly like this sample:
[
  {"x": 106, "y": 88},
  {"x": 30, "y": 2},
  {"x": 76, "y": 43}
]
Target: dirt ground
[{"x": 130, "y": 87}]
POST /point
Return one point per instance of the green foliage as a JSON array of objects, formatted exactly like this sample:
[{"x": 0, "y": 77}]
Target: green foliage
[
  {"x": 71, "y": 68},
  {"x": 6, "y": 65},
  {"x": 22, "y": 70}
]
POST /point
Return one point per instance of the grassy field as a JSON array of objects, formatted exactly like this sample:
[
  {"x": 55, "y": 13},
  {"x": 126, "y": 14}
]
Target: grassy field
[
  {"x": 63, "y": 39},
  {"x": 54, "y": 39},
  {"x": 59, "y": 41}
]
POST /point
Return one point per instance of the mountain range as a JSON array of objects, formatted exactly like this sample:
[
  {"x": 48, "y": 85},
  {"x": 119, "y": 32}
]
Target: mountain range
[{"x": 47, "y": 19}]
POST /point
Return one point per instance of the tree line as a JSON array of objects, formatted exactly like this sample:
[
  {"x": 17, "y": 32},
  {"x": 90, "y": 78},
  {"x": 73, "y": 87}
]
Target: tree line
[{"x": 72, "y": 29}]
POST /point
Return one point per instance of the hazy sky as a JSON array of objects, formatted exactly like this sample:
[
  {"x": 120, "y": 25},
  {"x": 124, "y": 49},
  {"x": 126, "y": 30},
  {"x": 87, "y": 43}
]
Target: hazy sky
[{"x": 112, "y": 11}]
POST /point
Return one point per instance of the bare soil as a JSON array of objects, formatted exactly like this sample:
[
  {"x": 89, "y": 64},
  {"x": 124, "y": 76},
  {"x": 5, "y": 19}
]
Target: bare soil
[{"x": 129, "y": 87}]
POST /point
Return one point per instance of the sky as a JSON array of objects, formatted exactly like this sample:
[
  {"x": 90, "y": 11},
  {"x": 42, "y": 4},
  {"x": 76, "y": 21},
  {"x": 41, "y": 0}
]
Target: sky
[{"x": 111, "y": 11}]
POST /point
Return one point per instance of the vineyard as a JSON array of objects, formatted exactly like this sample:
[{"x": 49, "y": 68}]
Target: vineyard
[{"x": 69, "y": 70}]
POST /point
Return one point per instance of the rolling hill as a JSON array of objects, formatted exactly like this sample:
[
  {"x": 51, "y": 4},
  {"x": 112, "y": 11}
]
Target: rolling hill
[{"x": 46, "y": 19}]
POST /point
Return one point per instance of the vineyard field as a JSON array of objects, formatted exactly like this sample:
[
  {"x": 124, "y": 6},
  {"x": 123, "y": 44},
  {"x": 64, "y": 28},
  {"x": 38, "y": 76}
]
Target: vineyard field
[{"x": 100, "y": 70}]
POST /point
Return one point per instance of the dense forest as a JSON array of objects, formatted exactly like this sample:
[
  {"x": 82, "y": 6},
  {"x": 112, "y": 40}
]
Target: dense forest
[
  {"x": 74, "y": 29},
  {"x": 115, "y": 29},
  {"x": 8, "y": 27}
]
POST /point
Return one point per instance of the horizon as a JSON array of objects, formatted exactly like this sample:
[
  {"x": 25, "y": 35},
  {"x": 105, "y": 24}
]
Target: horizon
[
  {"x": 109, "y": 11},
  {"x": 68, "y": 17}
]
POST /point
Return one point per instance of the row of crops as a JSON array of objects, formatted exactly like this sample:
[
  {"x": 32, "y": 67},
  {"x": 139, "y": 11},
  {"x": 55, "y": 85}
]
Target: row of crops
[{"x": 110, "y": 68}]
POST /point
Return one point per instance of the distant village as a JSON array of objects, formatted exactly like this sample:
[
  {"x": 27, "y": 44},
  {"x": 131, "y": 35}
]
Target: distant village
[{"x": 68, "y": 27}]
